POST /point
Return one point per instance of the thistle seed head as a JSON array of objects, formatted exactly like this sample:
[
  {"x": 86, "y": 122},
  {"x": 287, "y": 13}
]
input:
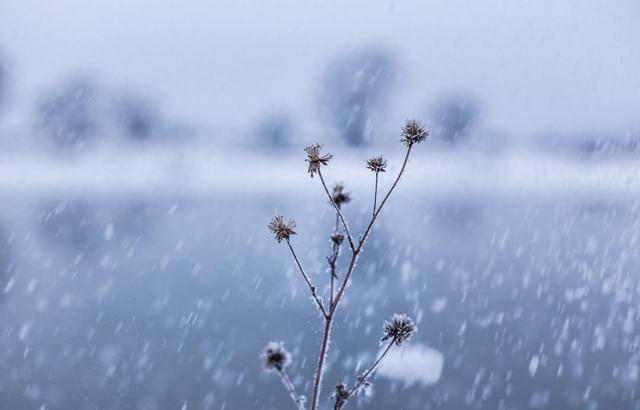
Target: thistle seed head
[
  {"x": 399, "y": 329},
  {"x": 413, "y": 132},
  {"x": 281, "y": 230},
  {"x": 315, "y": 158},
  {"x": 275, "y": 356},
  {"x": 337, "y": 238},
  {"x": 377, "y": 164},
  {"x": 339, "y": 196}
]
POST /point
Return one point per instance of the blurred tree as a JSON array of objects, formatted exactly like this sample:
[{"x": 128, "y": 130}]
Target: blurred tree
[
  {"x": 355, "y": 90},
  {"x": 454, "y": 116},
  {"x": 80, "y": 112},
  {"x": 136, "y": 118},
  {"x": 69, "y": 115},
  {"x": 275, "y": 131}
]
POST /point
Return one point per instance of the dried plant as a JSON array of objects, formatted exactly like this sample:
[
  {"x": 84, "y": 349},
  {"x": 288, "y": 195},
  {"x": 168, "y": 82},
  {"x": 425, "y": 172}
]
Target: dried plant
[
  {"x": 377, "y": 164},
  {"x": 339, "y": 196},
  {"x": 277, "y": 358},
  {"x": 413, "y": 132},
  {"x": 281, "y": 230},
  {"x": 315, "y": 159},
  {"x": 396, "y": 331}
]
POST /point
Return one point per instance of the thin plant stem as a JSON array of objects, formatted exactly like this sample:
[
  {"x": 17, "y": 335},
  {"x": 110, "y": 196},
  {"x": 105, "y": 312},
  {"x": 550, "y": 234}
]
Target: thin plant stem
[
  {"x": 344, "y": 223},
  {"x": 363, "y": 378},
  {"x": 331, "y": 288},
  {"x": 297, "y": 399},
  {"x": 320, "y": 368},
  {"x": 333, "y": 258},
  {"x": 364, "y": 236},
  {"x": 308, "y": 281},
  {"x": 375, "y": 195}
]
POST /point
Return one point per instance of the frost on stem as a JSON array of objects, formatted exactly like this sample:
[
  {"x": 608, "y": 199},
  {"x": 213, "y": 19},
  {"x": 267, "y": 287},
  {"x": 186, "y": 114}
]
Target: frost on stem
[
  {"x": 396, "y": 331},
  {"x": 413, "y": 132},
  {"x": 276, "y": 357},
  {"x": 399, "y": 329},
  {"x": 315, "y": 158},
  {"x": 282, "y": 230}
]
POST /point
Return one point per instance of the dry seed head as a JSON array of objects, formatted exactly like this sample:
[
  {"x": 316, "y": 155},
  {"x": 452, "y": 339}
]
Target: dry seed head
[
  {"x": 315, "y": 158},
  {"x": 339, "y": 196},
  {"x": 341, "y": 395},
  {"x": 399, "y": 329},
  {"x": 413, "y": 132},
  {"x": 377, "y": 164},
  {"x": 281, "y": 230},
  {"x": 275, "y": 356},
  {"x": 337, "y": 238}
]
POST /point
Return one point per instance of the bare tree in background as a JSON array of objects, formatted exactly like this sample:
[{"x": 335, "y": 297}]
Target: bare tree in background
[
  {"x": 397, "y": 330},
  {"x": 354, "y": 92},
  {"x": 454, "y": 117},
  {"x": 275, "y": 131},
  {"x": 69, "y": 115},
  {"x": 81, "y": 112},
  {"x": 136, "y": 117}
]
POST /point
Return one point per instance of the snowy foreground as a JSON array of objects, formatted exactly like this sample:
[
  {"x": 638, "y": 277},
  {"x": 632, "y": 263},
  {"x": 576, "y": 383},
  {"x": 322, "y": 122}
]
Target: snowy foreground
[{"x": 149, "y": 281}]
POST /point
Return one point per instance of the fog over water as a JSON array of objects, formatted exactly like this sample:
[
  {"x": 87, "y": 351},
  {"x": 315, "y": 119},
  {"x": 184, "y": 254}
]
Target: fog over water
[{"x": 145, "y": 146}]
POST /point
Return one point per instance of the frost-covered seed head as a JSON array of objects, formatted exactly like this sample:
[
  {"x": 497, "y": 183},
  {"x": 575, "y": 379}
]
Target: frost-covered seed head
[
  {"x": 281, "y": 230},
  {"x": 399, "y": 329},
  {"x": 413, "y": 132},
  {"x": 276, "y": 357},
  {"x": 339, "y": 196},
  {"x": 337, "y": 238},
  {"x": 377, "y": 164},
  {"x": 341, "y": 396},
  {"x": 315, "y": 158}
]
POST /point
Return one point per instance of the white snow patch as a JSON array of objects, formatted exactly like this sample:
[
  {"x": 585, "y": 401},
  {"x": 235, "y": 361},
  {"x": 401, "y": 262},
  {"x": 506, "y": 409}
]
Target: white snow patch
[
  {"x": 533, "y": 365},
  {"x": 10, "y": 283},
  {"x": 439, "y": 304},
  {"x": 539, "y": 399},
  {"x": 413, "y": 364},
  {"x": 108, "y": 232}
]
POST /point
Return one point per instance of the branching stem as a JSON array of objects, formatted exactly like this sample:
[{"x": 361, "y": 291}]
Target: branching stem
[
  {"x": 364, "y": 236},
  {"x": 355, "y": 252}
]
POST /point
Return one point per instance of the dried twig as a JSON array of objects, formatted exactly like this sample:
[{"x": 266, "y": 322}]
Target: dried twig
[
  {"x": 401, "y": 327},
  {"x": 337, "y": 208},
  {"x": 314, "y": 294}
]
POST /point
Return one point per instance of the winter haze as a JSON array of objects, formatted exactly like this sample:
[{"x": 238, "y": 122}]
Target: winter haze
[{"x": 145, "y": 146}]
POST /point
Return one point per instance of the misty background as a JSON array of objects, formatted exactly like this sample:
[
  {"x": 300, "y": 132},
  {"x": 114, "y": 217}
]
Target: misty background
[{"x": 144, "y": 146}]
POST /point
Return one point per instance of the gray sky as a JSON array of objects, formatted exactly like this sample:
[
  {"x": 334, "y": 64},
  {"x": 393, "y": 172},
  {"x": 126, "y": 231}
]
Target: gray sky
[{"x": 538, "y": 65}]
